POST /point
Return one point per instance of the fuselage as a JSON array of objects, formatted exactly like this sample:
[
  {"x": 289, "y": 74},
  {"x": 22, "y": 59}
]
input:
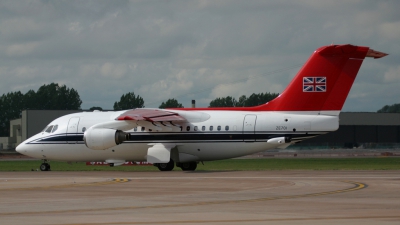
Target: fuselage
[{"x": 206, "y": 135}]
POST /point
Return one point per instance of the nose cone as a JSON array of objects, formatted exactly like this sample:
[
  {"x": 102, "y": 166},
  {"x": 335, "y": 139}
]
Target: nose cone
[
  {"x": 21, "y": 148},
  {"x": 30, "y": 147},
  {"x": 28, "y": 150}
]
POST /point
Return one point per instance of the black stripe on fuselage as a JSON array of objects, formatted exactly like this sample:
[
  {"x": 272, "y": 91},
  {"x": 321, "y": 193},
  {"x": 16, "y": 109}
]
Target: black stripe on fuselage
[{"x": 187, "y": 137}]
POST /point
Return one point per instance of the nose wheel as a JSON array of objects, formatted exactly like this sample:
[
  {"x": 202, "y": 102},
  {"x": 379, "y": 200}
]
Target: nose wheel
[{"x": 45, "y": 166}]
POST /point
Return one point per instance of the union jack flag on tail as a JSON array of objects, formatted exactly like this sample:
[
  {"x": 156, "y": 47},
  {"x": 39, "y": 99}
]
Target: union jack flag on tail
[{"x": 314, "y": 84}]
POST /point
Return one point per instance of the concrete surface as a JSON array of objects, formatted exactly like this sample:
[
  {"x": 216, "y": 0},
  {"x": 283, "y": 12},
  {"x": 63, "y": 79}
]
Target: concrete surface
[{"x": 231, "y": 197}]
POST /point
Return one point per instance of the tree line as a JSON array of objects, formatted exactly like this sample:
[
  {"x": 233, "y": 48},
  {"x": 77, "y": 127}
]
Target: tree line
[
  {"x": 395, "y": 108},
  {"x": 51, "y": 96},
  {"x": 130, "y": 101},
  {"x": 243, "y": 101}
]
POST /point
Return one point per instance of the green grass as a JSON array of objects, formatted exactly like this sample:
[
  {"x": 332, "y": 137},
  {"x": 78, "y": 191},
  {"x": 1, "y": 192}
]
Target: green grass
[{"x": 379, "y": 163}]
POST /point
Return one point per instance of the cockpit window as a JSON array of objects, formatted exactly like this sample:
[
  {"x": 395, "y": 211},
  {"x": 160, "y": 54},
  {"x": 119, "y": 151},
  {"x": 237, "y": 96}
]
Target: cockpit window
[
  {"x": 55, "y": 127},
  {"x": 48, "y": 130}
]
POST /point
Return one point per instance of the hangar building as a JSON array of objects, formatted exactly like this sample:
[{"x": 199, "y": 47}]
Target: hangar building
[
  {"x": 360, "y": 129},
  {"x": 365, "y": 129}
]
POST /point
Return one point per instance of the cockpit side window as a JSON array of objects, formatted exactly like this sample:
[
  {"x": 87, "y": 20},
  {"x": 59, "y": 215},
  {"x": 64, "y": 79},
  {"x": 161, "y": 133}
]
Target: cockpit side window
[
  {"x": 49, "y": 128},
  {"x": 55, "y": 127}
]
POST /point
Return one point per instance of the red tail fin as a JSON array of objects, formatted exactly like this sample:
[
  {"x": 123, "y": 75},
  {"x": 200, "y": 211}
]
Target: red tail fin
[{"x": 324, "y": 81}]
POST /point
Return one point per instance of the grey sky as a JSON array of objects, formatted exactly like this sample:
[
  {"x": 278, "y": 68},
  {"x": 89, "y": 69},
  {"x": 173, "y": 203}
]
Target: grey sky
[{"x": 175, "y": 49}]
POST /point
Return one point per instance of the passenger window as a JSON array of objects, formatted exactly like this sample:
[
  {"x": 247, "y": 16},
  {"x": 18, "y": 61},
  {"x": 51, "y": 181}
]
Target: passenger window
[
  {"x": 135, "y": 129},
  {"x": 188, "y": 128},
  {"x": 143, "y": 128},
  {"x": 219, "y": 128},
  {"x": 48, "y": 130},
  {"x": 203, "y": 128},
  {"x": 54, "y": 128},
  {"x": 211, "y": 128},
  {"x": 195, "y": 128},
  {"x": 226, "y": 128}
]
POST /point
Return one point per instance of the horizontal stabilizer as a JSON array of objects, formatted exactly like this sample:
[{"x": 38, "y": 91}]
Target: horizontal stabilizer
[{"x": 375, "y": 54}]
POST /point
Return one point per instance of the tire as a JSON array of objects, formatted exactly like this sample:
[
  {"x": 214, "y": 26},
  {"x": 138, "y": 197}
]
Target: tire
[
  {"x": 189, "y": 166},
  {"x": 44, "y": 167},
  {"x": 166, "y": 166}
]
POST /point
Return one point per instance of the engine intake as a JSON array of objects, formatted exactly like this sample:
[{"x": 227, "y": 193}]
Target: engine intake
[{"x": 102, "y": 138}]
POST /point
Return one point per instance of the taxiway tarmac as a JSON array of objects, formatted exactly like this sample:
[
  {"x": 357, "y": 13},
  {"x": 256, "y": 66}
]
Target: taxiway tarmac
[{"x": 222, "y": 197}]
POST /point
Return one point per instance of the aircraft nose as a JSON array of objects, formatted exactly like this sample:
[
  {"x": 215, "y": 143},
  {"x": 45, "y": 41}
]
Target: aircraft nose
[
  {"x": 33, "y": 151},
  {"x": 20, "y": 148},
  {"x": 23, "y": 149}
]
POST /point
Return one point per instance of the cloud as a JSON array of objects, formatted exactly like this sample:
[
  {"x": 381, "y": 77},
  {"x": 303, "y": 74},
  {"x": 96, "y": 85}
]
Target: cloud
[
  {"x": 21, "y": 49},
  {"x": 190, "y": 50},
  {"x": 17, "y": 30},
  {"x": 111, "y": 70},
  {"x": 392, "y": 75},
  {"x": 391, "y": 30},
  {"x": 75, "y": 28}
]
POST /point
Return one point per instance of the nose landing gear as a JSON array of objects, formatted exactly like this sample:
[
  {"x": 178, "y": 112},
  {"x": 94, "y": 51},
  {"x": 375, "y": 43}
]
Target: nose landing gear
[{"x": 45, "y": 166}]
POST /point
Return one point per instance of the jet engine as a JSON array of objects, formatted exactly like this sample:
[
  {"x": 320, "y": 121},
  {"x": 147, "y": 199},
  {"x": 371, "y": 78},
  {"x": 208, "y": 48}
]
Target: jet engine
[{"x": 103, "y": 138}]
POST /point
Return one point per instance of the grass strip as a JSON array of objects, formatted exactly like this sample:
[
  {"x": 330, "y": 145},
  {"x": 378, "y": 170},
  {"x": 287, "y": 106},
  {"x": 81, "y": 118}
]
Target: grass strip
[{"x": 375, "y": 163}]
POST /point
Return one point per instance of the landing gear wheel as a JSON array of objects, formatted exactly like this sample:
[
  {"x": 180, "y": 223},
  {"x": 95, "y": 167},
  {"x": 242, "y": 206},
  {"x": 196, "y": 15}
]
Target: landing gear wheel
[
  {"x": 44, "y": 167},
  {"x": 166, "y": 166},
  {"x": 189, "y": 166}
]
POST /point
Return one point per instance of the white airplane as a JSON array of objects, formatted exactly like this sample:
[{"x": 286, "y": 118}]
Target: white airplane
[{"x": 308, "y": 107}]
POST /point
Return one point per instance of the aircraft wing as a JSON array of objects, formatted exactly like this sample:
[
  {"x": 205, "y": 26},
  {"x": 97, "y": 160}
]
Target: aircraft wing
[
  {"x": 151, "y": 115},
  {"x": 152, "y": 119}
]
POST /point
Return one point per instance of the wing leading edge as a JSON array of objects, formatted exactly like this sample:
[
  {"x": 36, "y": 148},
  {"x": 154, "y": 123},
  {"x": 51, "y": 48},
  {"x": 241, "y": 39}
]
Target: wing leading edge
[{"x": 151, "y": 115}]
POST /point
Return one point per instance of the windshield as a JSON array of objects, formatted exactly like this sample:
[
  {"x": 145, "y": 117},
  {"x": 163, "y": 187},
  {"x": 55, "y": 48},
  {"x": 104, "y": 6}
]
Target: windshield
[
  {"x": 54, "y": 128},
  {"x": 50, "y": 129}
]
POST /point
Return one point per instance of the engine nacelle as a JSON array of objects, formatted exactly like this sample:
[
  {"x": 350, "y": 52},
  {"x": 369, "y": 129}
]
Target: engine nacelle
[
  {"x": 102, "y": 138},
  {"x": 279, "y": 140}
]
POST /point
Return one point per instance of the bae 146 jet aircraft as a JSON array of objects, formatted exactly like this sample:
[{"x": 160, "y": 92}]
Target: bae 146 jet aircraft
[{"x": 308, "y": 107}]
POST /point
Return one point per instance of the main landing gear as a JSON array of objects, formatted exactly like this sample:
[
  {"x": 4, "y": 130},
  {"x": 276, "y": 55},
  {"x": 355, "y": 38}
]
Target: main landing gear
[
  {"x": 188, "y": 166},
  {"x": 165, "y": 166},
  {"x": 45, "y": 166}
]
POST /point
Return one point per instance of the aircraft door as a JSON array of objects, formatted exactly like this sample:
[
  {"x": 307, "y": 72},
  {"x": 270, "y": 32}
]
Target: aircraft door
[
  {"x": 72, "y": 131},
  {"x": 249, "y": 125}
]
